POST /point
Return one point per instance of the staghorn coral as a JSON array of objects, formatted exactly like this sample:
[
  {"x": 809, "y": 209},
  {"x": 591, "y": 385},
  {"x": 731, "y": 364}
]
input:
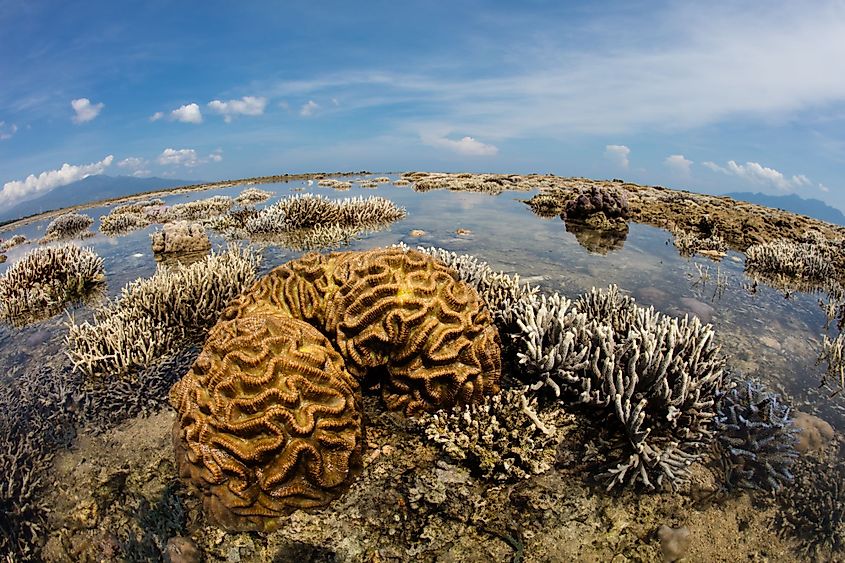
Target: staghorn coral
[
  {"x": 180, "y": 237},
  {"x": 755, "y": 437},
  {"x": 252, "y": 196},
  {"x": 783, "y": 263},
  {"x": 307, "y": 211},
  {"x": 269, "y": 421},
  {"x": 122, "y": 223},
  {"x": 270, "y": 414},
  {"x": 689, "y": 243},
  {"x": 651, "y": 378},
  {"x": 68, "y": 225},
  {"x": 46, "y": 279},
  {"x": 504, "y": 438},
  {"x": 813, "y": 509},
  {"x": 833, "y": 354},
  {"x": 150, "y": 316}
]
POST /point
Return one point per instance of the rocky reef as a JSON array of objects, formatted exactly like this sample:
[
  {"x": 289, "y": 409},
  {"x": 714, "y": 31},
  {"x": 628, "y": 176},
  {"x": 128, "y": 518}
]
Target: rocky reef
[
  {"x": 150, "y": 316},
  {"x": 397, "y": 318},
  {"x": 46, "y": 279}
]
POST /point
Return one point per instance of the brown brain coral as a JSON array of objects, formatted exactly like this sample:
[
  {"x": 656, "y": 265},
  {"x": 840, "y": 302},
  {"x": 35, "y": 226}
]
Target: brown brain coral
[
  {"x": 269, "y": 421},
  {"x": 395, "y": 313}
]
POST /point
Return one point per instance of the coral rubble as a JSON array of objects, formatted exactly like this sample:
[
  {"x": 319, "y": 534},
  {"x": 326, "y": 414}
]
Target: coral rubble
[
  {"x": 150, "y": 316},
  {"x": 46, "y": 279},
  {"x": 755, "y": 437},
  {"x": 504, "y": 438},
  {"x": 396, "y": 316}
]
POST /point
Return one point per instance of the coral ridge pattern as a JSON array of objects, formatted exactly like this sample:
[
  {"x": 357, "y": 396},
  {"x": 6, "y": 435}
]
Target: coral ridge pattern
[{"x": 270, "y": 414}]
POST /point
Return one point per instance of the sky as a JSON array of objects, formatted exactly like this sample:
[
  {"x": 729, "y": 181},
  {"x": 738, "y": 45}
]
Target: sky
[{"x": 705, "y": 96}]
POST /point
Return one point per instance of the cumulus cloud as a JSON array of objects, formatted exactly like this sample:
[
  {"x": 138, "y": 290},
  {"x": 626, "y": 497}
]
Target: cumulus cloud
[
  {"x": 824, "y": 188},
  {"x": 7, "y": 131},
  {"x": 156, "y": 116},
  {"x": 177, "y": 157},
  {"x": 618, "y": 154},
  {"x": 18, "y": 190},
  {"x": 678, "y": 164},
  {"x": 757, "y": 173},
  {"x": 132, "y": 163},
  {"x": 248, "y": 105},
  {"x": 85, "y": 110},
  {"x": 189, "y": 113},
  {"x": 308, "y": 108},
  {"x": 466, "y": 145},
  {"x": 187, "y": 157}
]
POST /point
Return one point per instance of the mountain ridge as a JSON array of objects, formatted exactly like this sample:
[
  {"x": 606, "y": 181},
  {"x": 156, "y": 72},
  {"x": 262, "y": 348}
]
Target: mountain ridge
[{"x": 810, "y": 207}]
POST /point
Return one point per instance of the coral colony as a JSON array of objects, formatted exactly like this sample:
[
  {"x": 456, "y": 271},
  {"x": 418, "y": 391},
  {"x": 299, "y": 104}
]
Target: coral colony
[{"x": 270, "y": 416}]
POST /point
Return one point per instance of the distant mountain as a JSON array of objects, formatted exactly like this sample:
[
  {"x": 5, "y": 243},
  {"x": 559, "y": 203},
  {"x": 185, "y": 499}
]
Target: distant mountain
[
  {"x": 810, "y": 207},
  {"x": 92, "y": 188}
]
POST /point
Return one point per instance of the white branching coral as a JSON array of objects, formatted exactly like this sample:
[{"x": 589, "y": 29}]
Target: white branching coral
[
  {"x": 252, "y": 196},
  {"x": 307, "y": 211},
  {"x": 45, "y": 279},
  {"x": 785, "y": 260},
  {"x": 68, "y": 225},
  {"x": 151, "y": 315}
]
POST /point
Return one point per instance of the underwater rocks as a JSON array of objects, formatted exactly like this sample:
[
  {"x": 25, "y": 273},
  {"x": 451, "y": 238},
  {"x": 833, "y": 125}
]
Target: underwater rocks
[
  {"x": 269, "y": 422},
  {"x": 46, "y": 279},
  {"x": 813, "y": 433},
  {"x": 756, "y": 437},
  {"x": 151, "y": 316},
  {"x": 279, "y": 385}
]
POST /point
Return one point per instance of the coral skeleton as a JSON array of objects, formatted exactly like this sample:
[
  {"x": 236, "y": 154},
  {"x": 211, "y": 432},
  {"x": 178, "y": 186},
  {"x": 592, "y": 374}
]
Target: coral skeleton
[
  {"x": 755, "y": 437},
  {"x": 307, "y": 211},
  {"x": 151, "y": 316},
  {"x": 180, "y": 237},
  {"x": 122, "y": 223},
  {"x": 782, "y": 261},
  {"x": 504, "y": 438},
  {"x": 12, "y": 242},
  {"x": 69, "y": 225},
  {"x": 689, "y": 243},
  {"x": 284, "y": 430},
  {"x": 833, "y": 354},
  {"x": 46, "y": 279},
  {"x": 253, "y": 196}
]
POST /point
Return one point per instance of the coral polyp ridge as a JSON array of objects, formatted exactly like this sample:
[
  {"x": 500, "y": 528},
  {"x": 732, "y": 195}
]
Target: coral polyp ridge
[{"x": 268, "y": 413}]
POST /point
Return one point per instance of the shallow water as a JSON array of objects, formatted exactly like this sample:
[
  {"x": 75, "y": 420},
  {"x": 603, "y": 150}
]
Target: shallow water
[{"x": 766, "y": 335}]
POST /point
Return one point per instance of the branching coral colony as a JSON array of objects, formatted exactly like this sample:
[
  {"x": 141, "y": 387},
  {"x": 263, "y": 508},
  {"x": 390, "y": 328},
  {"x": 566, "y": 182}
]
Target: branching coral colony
[
  {"x": 46, "y": 279},
  {"x": 151, "y": 315}
]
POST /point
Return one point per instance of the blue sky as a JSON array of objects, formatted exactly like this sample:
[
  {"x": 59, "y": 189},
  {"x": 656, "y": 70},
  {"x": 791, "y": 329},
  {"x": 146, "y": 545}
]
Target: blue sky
[{"x": 713, "y": 97}]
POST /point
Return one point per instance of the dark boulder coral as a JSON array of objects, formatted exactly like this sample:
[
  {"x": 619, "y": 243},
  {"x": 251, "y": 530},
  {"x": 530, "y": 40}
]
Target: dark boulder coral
[
  {"x": 594, "y": 200},
  {"x": 270, "y": 414}
]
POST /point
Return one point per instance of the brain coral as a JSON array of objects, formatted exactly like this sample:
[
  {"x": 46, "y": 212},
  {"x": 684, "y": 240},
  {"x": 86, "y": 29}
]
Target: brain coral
[
  {"x": 270, "y": 421},
  {"x": 396, "y": 316}
]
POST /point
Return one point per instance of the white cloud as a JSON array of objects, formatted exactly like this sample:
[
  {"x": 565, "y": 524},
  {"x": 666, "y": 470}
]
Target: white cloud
[
  {"x": 85, "y": 110},
  {"x": 466, "y": 145},
  {"x": 757, "y": 173},
  {"x": 183, "y": 157},
  {"x": 33, "y": 185},
  {"x": 309, "y": 108},
  {"x": 7, "y": 131},
  {"x": 705, "y": 63},
  {"x": 678, "y": 164},
  {"x": 618, "y": 154},
  {"x": 189, "y": 113},
  {"x": 824, "y": 188},
  {"x": 132, "y": 163},
  {"x": 187, "y": 157},
  {"x": 248, "y": 105},
  {"x": 141, "y": 173},
  {"x": 156, "y": 116}
]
